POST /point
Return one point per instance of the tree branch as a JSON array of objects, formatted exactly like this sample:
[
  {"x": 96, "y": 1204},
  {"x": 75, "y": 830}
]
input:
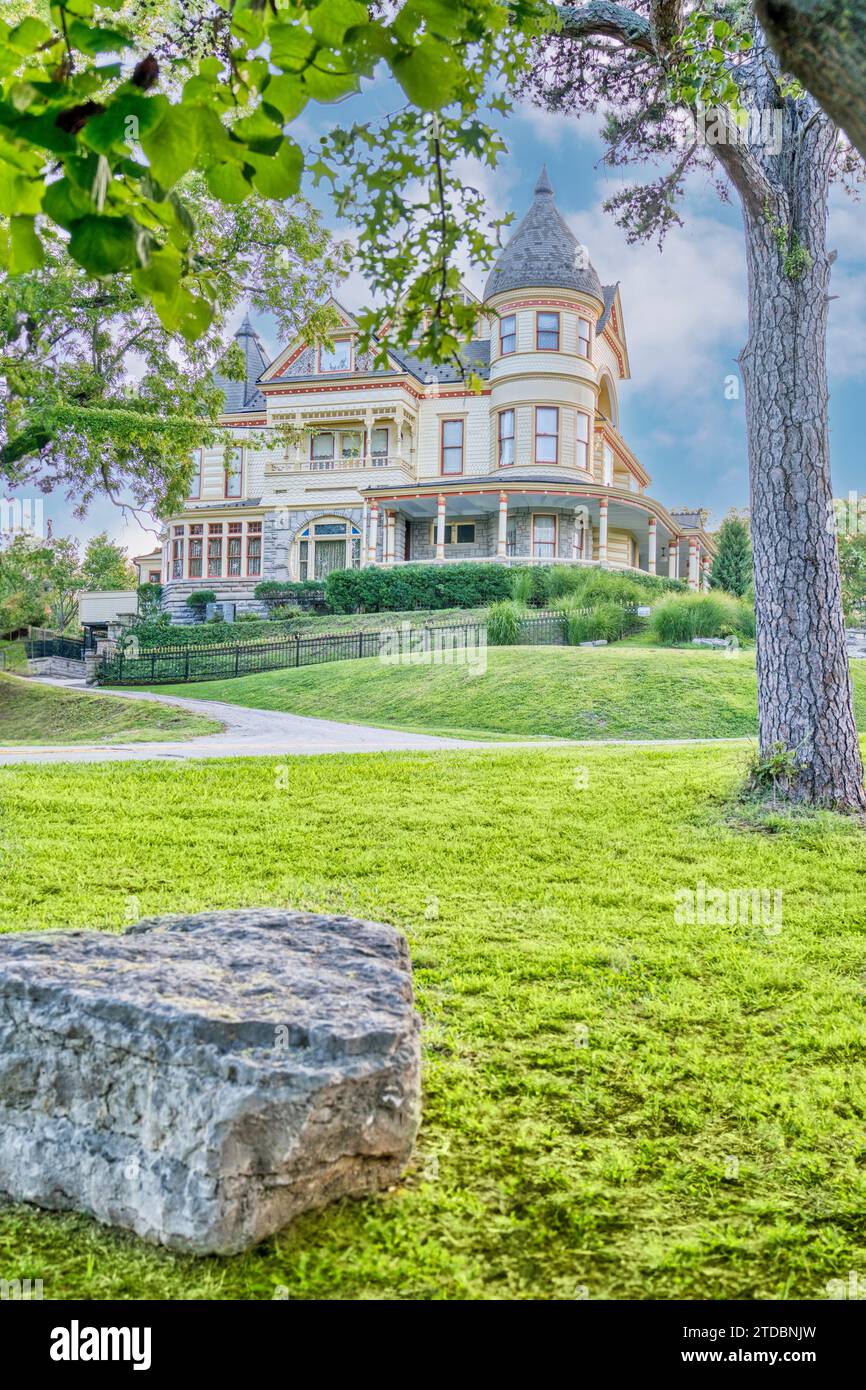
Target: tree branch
[{"x": 600, "y": 18}]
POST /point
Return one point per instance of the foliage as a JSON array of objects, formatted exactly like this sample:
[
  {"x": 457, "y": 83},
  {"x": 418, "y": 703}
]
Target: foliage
[
  {"x": 106, "y": 565},
  {"x": 605, "y": 622},
  {"x": 149, "y": 599},
  {"x": 504, "y": 622},
  {"x": 416, "y": 586},
  {"x": 732, "y": 563},
  {"x": 200, "y": 598},
  {"x": 542, "y": 585},
  {"x": 682, "y": 617},
  {"x": 772, "y": 772},
  {"x": 23, "y": 584},
  {"x": 122, "y": 134},
  {"x": 852, "y": 566},
  {"x": 246, "y": 629},
  {"x": 100, "y": 397}
]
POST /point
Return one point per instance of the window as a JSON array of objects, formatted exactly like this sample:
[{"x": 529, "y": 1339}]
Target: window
[
  {"x": 196, "y": 546},
  {"x": 350, "y": 444},
  {"x": 507, "y": 334},
  {"x": 235, "y": 549},
  {"x": 506, "y": 437},
  {"x": 328, "y": 545},
  {"x": 582, "y": 454},
  {"x": 547, "y": 332},
  {"x": 195, "y": 485},
  {"x": 456, "y": 533},
  {"x": 546, "y": 434},
  {"x": 154, "y": 576},
  {"x": 254, "y": 548},
  {"x": 322, "y": 450},
  {"x": 234, "y": 472},
  {"x": 511, "y": 538},
  {"x": 338, "y": 358},
  {"x": 177, "y": 553},
  {"x": 583, "y": 337},
  {"x": 544, "y": 537},
  {"x": 607, "y": 468},
  {"x": 214, "y": 550},
  {"x": 379, "y": 445},
  {"x": 452, "y": 446}
]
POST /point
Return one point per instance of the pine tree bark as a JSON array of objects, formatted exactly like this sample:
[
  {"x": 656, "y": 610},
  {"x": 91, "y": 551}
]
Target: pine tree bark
[{"x": 804, "y": 684}]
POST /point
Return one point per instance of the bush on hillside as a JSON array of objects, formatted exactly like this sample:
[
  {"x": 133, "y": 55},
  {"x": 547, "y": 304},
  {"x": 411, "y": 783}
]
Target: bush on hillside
[
  {"x": 542, "y": 585},
  {"x": 503, "y": 623},
  {"x": 606, "y": 622},
  {"x": 682, "y": 617},
  {"x": 409, "y": 587},
  {"x": 217, "y": 633},
  {"x": 292, "y": 592}
]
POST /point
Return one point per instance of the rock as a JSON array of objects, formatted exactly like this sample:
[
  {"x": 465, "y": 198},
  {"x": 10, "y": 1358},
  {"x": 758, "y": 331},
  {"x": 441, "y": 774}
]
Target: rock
[
  {"x": 709, "y": 642},
  {"x": 202, "y": 1080},
  {"x": 599, "y": 642}
]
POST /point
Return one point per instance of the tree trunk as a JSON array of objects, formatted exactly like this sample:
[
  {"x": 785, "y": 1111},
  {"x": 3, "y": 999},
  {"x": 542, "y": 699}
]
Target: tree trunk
[{"x": 804, "y": 683}]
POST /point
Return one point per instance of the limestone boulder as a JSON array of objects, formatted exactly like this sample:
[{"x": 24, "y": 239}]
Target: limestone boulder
[{"x": 202, "y": 1080}]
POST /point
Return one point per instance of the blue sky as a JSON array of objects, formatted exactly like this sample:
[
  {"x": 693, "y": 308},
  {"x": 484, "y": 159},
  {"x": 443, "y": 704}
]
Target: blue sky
[{"x": 684, "y": 310}]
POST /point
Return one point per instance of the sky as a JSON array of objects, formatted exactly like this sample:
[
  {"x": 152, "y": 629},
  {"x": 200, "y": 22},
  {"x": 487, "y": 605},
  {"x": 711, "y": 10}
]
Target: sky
[{"x": 684, "y": 310}]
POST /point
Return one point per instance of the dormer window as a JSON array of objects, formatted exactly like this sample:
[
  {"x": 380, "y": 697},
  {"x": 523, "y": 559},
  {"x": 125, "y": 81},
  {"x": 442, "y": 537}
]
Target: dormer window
[
  {"x": 547, "y": 332},
  {"x": 584, "y": 332},
  {"x": 337, "y": 358}
]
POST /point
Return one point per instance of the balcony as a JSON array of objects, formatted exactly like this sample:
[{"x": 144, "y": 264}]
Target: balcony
[{"x": 372, "y": 463}]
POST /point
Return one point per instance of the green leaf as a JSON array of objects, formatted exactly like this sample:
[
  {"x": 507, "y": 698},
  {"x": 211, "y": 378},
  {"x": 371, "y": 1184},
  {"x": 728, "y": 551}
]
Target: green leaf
[
  {"x": 104, "y": 245},
  {"x": 172, "y": 145},
  {"x": 331, "y": 20},
  {"x": 25, "y": 248},
  {"x": 428, "y": 75},
  {"x": 291, "y": 48},
  {"x": 286, "y": 94},
  {"x": 29, "y": 35},
  {"x": 279, "y": 175},
  {"x": 227, "y": 182},
  {"x": 721, "y": 29},
  {"x": 65, "y": 203},
  {"x": 92, "y": 41},
  {"x": 128, "y": 119},
  {"x": 161, "y": 276}
]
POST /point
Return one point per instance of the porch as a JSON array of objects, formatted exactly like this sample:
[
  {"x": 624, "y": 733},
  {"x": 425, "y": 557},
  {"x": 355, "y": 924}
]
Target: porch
[{"x": 522, "y": 525}]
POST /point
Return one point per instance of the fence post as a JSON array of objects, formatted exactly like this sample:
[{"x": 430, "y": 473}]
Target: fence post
[
  {"x": 237, "y": 659},
  {"x": 186, "y": 667},
  {"x": 152, "y": 666},
  {"x": 361, "y": 643},
  {"x": 298, "y": 650}
]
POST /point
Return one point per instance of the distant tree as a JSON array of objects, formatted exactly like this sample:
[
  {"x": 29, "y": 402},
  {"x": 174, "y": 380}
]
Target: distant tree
[
  {"x": 24, "y": 584},
  {"x": 732, "y": 566},
  {"x": 852, "y": 565},
  {"x": 65, "y": 582},
  {"x": 106, "y": 565}
]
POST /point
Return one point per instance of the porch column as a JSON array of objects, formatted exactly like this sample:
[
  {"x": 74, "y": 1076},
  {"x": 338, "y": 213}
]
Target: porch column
[
  {"x": 577, "y": 532},
  {"x": 374, "y": 526},
  {"x": 673, "y": 554},
  {"x": 602, "y": 530},
  {"x": 365, "y": 521},
  {"x": 501, "y": 539},
  {"x": 440, "y": 526},
  {"x": 693, "y": 563},
  {"x": 705, "y": 567},
  {"x": 587, "y": 537},
  {"x": 651, "y": 566}
]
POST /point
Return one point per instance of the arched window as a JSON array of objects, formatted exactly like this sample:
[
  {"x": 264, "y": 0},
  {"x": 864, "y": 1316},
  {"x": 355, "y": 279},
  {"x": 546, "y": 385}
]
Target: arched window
[
  {"x": 607, "y": 406},
  {"x": 328, "y": 543}
]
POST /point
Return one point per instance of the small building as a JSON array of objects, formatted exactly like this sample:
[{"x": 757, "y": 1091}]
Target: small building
[{"x": 101, "y": 610}]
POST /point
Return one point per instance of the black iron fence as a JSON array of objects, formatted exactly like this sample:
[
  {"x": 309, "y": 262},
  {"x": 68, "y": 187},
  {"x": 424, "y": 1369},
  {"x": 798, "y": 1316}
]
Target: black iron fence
[
  {"x": 42, "y": 643},
  {"x": 181, "y": 664}
]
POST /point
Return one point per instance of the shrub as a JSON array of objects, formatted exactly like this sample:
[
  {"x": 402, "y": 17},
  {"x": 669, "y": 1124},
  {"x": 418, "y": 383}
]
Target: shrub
[
  {"x": 149, "y": 598},
  {"x": 685, "y": 616},
  {"x": 606, "y": 621},
  {"x": 277, "y": 591},
  {"x": 199, "y": 600},
  {"x": 247, "y": 618},
  {"x": 409, "y": 587},
  {"x": 503, "y": 623}
]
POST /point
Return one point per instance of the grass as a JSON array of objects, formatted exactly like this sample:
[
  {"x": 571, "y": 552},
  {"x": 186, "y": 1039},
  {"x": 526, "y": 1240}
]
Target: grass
[
  {"x": 621, "y": 691},
  {"x": 708, "y": 1140},
  {"x": 33, "y": 714},
  {"x": 14, "y": 655}
]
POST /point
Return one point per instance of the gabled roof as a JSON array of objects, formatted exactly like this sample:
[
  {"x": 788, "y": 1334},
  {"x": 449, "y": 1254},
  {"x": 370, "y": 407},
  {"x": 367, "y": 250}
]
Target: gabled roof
[
  {"x": 475, "y": 357},
  {"x": 543, "y": 251},
  {"x": 241, "y": 396}
]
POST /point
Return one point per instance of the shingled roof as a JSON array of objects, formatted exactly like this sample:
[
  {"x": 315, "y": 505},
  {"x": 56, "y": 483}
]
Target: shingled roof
[
  {"x": 543, "y": 251},
  {"x": 241, "y": 396}
]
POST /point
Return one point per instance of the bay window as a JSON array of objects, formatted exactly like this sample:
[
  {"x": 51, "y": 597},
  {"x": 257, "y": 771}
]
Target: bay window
[
  {"x": 254, "y": 548},
  {"x": 235, "y": 549},
  {"x": 196, "y": 547},
  {"x": 214, "y": 550},
  {"x": 177, "y": 553}
]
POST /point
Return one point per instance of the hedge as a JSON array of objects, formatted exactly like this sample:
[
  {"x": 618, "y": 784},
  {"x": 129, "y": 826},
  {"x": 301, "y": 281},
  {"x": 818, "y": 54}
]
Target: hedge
[
  {"x": 408, "y": 587},
  {"x": 152, "y": 635}
]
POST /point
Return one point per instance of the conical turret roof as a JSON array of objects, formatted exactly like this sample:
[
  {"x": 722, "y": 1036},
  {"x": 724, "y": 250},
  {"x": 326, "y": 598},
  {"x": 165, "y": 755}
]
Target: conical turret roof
[{"x": 543, "y": 251}]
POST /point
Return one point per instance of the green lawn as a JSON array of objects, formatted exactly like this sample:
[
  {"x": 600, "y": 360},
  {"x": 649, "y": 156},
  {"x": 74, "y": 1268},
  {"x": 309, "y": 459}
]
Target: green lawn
[
  {"x": 565, "y": 692},
  {"x": 708, "y": 1141},
  {"x": 31, "y": 714}
]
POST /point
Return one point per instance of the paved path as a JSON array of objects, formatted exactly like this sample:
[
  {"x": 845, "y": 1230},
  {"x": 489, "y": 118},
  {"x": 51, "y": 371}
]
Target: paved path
[{"x": 255, "y": 733}]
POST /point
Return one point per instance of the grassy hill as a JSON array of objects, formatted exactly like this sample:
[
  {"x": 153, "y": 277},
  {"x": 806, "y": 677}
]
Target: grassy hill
[
  {"x": 621, "y": 691},
  {"x": 32, "y": 714}
]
